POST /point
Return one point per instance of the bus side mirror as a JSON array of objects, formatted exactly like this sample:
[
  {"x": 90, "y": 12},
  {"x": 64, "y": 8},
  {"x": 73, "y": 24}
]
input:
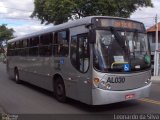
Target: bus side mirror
[{"x": 92, "y": 36}]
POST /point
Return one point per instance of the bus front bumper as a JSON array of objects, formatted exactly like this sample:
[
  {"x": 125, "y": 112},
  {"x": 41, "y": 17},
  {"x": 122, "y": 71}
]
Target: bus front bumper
[{"x": 101, "y": 97}]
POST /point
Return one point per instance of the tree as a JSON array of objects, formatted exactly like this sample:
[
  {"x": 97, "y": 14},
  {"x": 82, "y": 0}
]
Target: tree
[
  {"x": 5, "y": 34},
  {"x": 59, "y": 11}
]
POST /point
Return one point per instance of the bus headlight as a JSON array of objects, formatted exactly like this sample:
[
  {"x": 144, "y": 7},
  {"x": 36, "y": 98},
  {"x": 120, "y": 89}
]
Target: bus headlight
[
  {"x": 104, "y": 85},
  {"x": 108, "y": 86},
  {"x": 96, "y": 82},
  {"x": 101, "y": 84}
]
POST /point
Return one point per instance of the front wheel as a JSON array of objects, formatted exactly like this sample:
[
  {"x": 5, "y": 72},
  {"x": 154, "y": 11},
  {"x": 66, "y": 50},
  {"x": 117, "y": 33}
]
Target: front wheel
[{"x": 59, "y": 89}]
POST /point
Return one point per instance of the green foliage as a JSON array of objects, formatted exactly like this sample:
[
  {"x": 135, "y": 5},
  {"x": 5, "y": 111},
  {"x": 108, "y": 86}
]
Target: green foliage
[
  {"x": 59, "y": 11},
  {"x": 5, "y": 33}
]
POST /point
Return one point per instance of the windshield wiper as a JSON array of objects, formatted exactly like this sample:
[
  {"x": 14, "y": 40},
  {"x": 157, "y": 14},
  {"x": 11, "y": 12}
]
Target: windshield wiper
[
  {"x": 135, "y": 36},
  {"x": 119, "y": 39}
]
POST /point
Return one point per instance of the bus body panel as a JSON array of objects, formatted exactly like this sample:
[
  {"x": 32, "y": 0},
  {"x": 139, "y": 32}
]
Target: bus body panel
[
  {"x": 101, "y": 97},
  {"x": 40, "y": 71},
  {"x": 124, "y": 81},
  {"x": 33, "y": 70},
  {"x": 76, "y": 86},
  {"x": 135, "y": 84}
]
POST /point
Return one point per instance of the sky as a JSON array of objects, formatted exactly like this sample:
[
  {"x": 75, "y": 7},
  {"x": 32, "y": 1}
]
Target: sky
[{"x": 16, "y": 14}]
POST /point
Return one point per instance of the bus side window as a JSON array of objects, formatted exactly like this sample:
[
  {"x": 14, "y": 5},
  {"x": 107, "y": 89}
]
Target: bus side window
[
  {"x": 55, "y": 45},
  {"x": 62, "y": 38},
  {"x": 25, "y": 49},
  {"x": 12, "y": 49},
  {"x": 45, "y": 45},
  {"x": 20, "y": 50},
  {"x": 83, "y": 53},
  {"x": 80, "y": 52},
  {"x": 12, "y": 45},
  {"x": 16, "y": 48},
  {"x": 73, "y": 54},
  {"x": 9, "y": 51},
  {"x": 33, "y": 46}
]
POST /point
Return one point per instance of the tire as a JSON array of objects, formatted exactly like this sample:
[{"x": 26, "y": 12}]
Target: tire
[
  {"x": 16, "y": 76},
  {"x": 59, "y": 90}
]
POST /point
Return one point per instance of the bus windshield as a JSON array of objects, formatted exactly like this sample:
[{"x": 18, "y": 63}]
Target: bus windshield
[{"x": 116, "y": 48}]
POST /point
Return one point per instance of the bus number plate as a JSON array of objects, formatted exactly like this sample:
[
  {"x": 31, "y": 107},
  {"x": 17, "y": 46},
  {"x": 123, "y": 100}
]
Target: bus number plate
[
  {"x": 130, "y": 96},
  {"x": 119, "y": 79}
]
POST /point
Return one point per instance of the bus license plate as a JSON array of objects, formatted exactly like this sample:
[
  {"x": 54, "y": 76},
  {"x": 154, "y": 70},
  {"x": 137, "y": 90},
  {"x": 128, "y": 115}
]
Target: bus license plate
[{"x": 129, "y": 96}]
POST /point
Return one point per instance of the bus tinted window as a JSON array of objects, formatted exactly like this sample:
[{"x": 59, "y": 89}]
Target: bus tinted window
[
  {"x": 12, "y": 45},
  {"x": 80, "y": 52},
  {"x": 17, "y": 44},
  {"x": 34, "y": 41},
  {"x": 46, "y": 39},
  {"x": 21, "y": 44},
  {"x": 55, "y": 46},
  {"x": 62, "y": 43},
  {"x": 9, "y": 46},
  {"x": 33, "y": 46},
  {"x": 24, "y": 43},
  {"x": 45, "y": 44},
  {"x": 10, "y": 49},
  {"x": 74, "y": 48},
  {"x": 83, "y": 53},
  {"x": 45, "y": 50},
  {"x": 33, "y": 51}
]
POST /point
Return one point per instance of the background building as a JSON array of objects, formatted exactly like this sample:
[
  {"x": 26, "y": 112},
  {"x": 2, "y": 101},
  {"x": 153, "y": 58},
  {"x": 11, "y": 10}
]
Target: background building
[{"x": 152, "y": 39}]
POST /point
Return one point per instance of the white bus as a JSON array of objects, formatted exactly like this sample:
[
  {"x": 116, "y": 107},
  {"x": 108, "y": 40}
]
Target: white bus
[{"x": 96, "y": 60}]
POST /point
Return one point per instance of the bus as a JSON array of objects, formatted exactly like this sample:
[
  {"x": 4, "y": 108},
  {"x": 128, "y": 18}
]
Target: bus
[{"x": 96, "y": 60}]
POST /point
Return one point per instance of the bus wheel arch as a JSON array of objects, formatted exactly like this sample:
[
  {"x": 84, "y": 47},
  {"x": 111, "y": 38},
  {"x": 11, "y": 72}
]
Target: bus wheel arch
[
  {"x": 59, "y": 88},
  {"x": 16, "y": 75}
]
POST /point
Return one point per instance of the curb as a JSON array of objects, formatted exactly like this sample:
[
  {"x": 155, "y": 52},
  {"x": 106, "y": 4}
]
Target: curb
[{"x": 155, "y": 79}]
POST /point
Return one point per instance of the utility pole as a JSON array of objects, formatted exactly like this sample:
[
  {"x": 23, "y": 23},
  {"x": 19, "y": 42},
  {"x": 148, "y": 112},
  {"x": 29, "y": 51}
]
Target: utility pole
[{"x": 156, "y": 55}]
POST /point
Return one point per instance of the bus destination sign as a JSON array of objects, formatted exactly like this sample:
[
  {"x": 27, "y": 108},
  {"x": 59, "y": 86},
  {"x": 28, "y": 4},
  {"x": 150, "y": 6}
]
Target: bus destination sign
[{"x": 119, "y": 23}]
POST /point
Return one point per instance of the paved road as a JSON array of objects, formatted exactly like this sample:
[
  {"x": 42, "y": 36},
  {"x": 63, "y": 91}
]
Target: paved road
[{"x": 28, "y": 99}]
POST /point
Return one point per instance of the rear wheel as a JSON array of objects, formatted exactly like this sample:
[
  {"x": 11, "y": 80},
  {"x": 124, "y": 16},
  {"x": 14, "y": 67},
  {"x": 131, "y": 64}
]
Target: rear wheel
[
  {"x": 16, "y": 76},
  {"x": 59, "y": 90}
]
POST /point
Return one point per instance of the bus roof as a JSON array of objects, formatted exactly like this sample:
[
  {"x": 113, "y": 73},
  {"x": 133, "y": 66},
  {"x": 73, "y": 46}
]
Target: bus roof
[{"x": 70, "y": 24}]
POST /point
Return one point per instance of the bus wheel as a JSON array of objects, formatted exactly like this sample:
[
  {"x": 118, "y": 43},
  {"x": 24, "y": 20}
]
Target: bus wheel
[
  {"x": 16, "y": 76},
  {"x": 59, "y": 90}
]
